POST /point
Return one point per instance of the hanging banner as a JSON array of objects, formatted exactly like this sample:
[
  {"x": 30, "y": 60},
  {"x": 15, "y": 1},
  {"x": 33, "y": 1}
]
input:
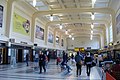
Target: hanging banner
[
  {"x": 39, "y": 33},
  {"x": 50, "y": 37},
  {"x": 1, "y": 15},
  {"x": 21, "y": 25},
  {"x": 118, "y": 24}
]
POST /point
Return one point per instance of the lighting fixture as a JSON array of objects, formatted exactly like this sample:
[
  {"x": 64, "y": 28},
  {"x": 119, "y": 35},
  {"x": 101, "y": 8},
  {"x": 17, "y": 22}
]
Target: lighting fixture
[
  {"x": 92, "y": 26},
  {"x": 93, "y": 16},
  {"x": 91, "y": 31},
  {"x": 56, "y": 38},
  {"x": 93, "y": 3},
  {"x": 34, "y": 3},
  {"x": 51, "y": 18},
  {"x": 61, "y": 26},
  {"x": 66, "y": 32},
  {"x": 72, "y": 38},
  {"x": 91, "y": 36}
]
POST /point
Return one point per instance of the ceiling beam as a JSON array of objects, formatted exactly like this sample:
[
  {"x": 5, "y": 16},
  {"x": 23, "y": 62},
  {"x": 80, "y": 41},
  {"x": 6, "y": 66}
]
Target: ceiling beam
[
  {"x": 61, "y": 4},
  {"x": 81, "y": 28},
  {"x": 76, "y": 2},
  {"x": 85, "y": 30},
  {"x": 78, "y": 10},
  {"x": 77, "y": 21},
  {"x": 83, "y": 33},
  {"x": 83, "y": 36},
  {"x": 84, "y": 27}
]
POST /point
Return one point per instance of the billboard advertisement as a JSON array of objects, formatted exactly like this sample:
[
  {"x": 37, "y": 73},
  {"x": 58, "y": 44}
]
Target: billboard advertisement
[
  {"x": 39, "y": 34},
  {"x": 21, "y": 25},
  {"x": 50, "y": 37},
  {"x": 1, "y": 15},
  {"x": 118, "y": 24}
]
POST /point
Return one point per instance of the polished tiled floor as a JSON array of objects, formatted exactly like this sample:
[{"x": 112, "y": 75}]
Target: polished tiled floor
[{"x": 22, "y": 72}]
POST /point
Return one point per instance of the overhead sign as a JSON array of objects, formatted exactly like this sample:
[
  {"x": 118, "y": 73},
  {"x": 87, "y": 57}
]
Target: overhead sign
[
  {"x": 82, "y": 49},
  {"x": 76, "y": 49},
  {"x": 79, "y": 49}
]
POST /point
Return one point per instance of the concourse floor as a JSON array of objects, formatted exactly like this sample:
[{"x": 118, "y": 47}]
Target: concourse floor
[{"x": 23, "y": 72}]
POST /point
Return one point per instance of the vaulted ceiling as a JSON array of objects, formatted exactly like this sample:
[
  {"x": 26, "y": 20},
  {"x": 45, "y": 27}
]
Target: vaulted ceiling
[{"x": 75, "y": 15}]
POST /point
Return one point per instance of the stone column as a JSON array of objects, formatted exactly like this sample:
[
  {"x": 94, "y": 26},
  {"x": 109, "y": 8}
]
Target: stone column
[
  {"x": 54, "y": 41},
  {"x": 114, "y": 27},
  {"x": 33, "y": 28},
  {"x": 46, "y": 35},
  {"x": 9, "y": 17}
]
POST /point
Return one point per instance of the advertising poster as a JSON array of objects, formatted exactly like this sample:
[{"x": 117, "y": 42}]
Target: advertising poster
[
  {"x": 62, "y": 42},
  {"x": 57, "y": 39},
  {"x": 118, "y": 24},
  {"x": 21, "y": 25},
  {"x": 1, "y": 15},
  {"x": 39, "y": 33},
  {"x": 50, "y": 37}
]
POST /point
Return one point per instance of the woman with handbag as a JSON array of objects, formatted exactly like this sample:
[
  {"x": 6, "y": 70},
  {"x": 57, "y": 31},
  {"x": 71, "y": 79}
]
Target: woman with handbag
[{"x": 78, "y": 59}]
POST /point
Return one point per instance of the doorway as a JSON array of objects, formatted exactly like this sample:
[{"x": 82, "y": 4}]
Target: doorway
[{"x": 3, "y": 56}]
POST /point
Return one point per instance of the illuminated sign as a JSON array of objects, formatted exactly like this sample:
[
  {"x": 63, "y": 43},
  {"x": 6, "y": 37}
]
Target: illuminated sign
[
  {"x": 79, "y": 49},
  {"x": 76, "y": 49},
  {"x": 82, "y": 49}
]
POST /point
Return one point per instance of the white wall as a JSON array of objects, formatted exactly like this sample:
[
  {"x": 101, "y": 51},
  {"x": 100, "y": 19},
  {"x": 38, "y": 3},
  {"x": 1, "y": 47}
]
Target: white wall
[
  {"x": 18, "y": 9},
  {"x": 115, "y": 4},
  {"x": 55, "y": 45},
  {"x": 26, "y": 11},
  {"x": 50, "y": 45},
  {"x": 83, "y": 42},
  {"x": 40, "y": 42},
  {"x": 64, "y": 43},
  {"x": 2, "y": 30},
  {"x": 58, "y": 44},
  {"x": 118, "y": 35}
]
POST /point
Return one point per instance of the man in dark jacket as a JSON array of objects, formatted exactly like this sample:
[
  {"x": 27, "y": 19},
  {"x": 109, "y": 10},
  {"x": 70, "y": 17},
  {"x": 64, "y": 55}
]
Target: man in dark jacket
[
  {"x": 78, "y": 59},
  {"x": 42, "y": 60},
  {"x": 88, "y": 63},
  {"x": 27, "y": 58},
  {"x": 65, "y": 57}
]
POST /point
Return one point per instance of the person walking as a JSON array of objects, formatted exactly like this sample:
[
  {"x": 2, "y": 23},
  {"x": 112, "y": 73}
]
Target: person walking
[
  {"x": 88, "y": 63},
  {"x": 72, "y": 58},
  {"x": 42, "y": 60},
  {"x": 36, "y": 60},
  {"x": 78, "y": 59},
  {"x": 27, "y": 58},
  {"x": 58, "y": 60},
  {"x": 65, "y": 56},
  {"x": 48, "y": 55}
]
